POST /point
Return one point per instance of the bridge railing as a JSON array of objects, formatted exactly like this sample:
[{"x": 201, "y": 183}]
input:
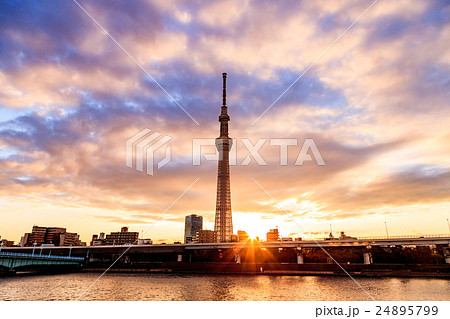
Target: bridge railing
[
  {"x": 41, "y": 256},
  {"x": 404, "y": 236}
]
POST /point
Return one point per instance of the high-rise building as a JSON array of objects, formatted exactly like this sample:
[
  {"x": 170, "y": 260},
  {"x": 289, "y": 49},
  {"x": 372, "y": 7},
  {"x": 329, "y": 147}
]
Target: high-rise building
[
  {"x": 223, "y": 220},
  {"x": 192, "y": 224}
]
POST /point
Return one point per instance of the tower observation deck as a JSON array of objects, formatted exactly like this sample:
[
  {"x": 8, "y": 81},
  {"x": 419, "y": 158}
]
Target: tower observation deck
[{"x": 223, "y": 221}]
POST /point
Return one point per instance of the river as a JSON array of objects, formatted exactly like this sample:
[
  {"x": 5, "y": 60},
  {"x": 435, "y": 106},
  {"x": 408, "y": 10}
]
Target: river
[{"x": 119, "y": 286}]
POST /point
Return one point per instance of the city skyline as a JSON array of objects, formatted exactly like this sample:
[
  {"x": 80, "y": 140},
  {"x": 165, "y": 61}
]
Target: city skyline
[{"x": 375, "y": 104}]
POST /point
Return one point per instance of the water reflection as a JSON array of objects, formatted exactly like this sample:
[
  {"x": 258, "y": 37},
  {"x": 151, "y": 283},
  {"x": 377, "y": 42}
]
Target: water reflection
[{"x": 218, "y": 287}]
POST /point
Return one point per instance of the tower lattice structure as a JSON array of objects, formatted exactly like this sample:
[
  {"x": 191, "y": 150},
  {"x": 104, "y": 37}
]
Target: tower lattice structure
[{"x": 223, "y": 221}]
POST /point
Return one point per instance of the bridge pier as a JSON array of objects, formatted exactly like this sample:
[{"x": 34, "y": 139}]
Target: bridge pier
[
  {"x": 300, "y": 258},
  {"x": 367, "y": 258}
]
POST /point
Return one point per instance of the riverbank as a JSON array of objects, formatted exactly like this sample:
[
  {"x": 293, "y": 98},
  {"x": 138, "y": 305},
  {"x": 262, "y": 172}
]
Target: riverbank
[{"x": 358, "y": 270}]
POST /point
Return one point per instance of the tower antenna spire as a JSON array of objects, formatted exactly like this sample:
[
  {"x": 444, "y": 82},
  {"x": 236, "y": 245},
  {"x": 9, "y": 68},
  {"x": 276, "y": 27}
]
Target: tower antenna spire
[{"x": 224, "y": 92}]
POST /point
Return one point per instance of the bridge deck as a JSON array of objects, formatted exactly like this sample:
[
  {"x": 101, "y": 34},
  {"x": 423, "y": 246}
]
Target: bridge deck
[
  {"x": 181, "y": 248},
  {"x": 15, "y": 261}
]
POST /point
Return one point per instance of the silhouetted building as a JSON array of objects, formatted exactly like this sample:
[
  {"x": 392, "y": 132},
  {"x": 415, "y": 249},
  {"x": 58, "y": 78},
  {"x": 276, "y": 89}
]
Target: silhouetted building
[
  {"x": 192, "y": 224},
  {"x": 23, "y": 240},
  {"x": 242, "y": 235},
  {"x": 70, "y": 239},
  {"x": 273, "y": 235},
  {"x": 93, "y": 240},
  {"x": 57, "y": 236},
  {"x": 37, "y": 236},
  {"x": 98, "y": 240},
  {"x": 206, "y": 236},
  {"x": 223, "y": 220},
  {"x": 53, "y": 236},
  {"x": 145, "y": 241},
  {"x": 124, "y": 237},
  {"x": 6, "y": 243}
]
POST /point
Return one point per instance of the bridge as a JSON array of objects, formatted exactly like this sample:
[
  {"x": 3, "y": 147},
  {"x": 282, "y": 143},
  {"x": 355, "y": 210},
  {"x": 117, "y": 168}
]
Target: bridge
[
  {"x": 176, "y": 249},
  {"x": 412, "y": 255},
  {"x": 19, "y": 261},
  {"x": 361, "y": 242},
  {"x": 381, "y": 241}
]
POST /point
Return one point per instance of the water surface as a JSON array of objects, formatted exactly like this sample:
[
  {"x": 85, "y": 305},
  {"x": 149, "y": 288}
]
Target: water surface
[{"x": 113, "y": 286}]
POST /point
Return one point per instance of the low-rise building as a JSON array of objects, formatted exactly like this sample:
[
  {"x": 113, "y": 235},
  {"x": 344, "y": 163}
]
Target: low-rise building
[
  {"x": 6, "y": 243},
  {"x": 206, "y": 236},
  {"x": 124, "y": 237},
  {"x": 57, "y": 236},
  {"x": 145, "y": 241},
  {"x": 93, "y": 240},
  {"x": 273, "y": 235},
  {"x": 242, "y": 235},
  {"x": 36, "y": 237},
  {"x": 70, "y": 239}
]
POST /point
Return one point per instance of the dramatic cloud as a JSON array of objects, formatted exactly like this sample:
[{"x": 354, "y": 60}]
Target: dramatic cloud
[{"x": 376, "y": 104}]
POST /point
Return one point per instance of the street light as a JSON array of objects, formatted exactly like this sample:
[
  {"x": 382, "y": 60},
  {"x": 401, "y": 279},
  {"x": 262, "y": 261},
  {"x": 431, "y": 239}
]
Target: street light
[{"x": 387, "y": 233}]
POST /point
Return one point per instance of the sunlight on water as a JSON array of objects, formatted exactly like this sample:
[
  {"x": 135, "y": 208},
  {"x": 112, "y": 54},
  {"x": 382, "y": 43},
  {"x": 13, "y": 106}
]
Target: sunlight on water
[{"x": 218, "y": 287}]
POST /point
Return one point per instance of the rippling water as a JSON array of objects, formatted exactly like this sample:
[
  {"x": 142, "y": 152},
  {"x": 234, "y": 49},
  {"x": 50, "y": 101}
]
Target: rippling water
[{"x": 218, "y": 287}]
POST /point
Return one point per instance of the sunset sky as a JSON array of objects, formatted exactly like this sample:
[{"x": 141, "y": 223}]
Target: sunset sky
[{"x": 376, "y": 104}]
